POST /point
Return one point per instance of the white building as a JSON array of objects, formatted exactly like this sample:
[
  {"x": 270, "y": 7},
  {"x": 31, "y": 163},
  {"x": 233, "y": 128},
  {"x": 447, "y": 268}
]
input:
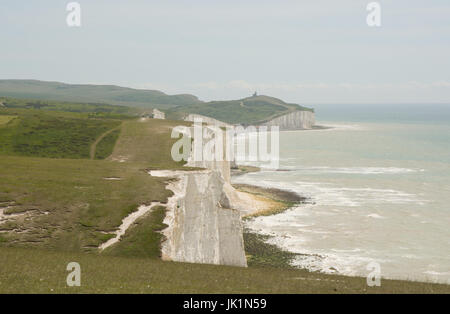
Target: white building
[{"x": 158, "y": 114}]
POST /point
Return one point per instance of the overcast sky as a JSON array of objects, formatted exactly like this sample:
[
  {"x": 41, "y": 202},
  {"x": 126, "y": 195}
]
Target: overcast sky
[{"x": 301, "y": 51}]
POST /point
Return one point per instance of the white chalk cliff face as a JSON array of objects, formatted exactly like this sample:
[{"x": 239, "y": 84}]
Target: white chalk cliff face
[
  {"x": 202, "y": 226},
  {"x": 296, "y": 120}
]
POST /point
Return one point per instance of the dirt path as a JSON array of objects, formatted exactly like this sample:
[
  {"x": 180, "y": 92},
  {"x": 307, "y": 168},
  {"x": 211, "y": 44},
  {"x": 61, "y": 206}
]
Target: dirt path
[
  {"x": 94, "y": 145},
  {"x": 127, "y": 222}
]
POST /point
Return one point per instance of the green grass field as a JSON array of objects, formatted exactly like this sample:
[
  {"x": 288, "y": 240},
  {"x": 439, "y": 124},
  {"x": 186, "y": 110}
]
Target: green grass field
[
  {"x": 54, "y": 134},
  {"x": 69, "y": 204},
  {"x": 97, "y": 110},
  {"x": 44, "y": 271},
  {"x": 105, "y": 146}
]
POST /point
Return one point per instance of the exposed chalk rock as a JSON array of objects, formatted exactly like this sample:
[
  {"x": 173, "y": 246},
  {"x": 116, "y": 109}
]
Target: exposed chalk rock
[
  {"x": 296, "y": 120},
  {"x": 156, "y": 114},
  {"x": 201, "y": 226}
]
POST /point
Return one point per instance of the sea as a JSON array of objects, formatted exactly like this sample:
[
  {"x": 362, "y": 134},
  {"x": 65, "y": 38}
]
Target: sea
[{"x": 378, "y": 187}]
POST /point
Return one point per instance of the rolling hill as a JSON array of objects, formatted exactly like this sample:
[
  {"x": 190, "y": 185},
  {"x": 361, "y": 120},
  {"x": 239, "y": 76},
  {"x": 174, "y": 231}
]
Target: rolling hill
[
  {"x": 250, "y": 110},
  {"x": 106, "y": 94}
]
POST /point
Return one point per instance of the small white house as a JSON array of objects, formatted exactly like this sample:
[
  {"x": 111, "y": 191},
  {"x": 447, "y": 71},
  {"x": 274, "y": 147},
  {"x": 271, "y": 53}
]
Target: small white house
[{"x": 158, "y": 114}]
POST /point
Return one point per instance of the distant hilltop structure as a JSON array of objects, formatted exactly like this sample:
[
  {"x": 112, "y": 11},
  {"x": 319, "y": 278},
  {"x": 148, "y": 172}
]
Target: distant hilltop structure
[
  {"x": 255, "y": 94},
  {"x": 156, "y": 114}
]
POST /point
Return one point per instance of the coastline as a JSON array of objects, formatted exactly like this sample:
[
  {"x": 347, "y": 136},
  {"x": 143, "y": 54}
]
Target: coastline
[{"x": 260, "y": 253}]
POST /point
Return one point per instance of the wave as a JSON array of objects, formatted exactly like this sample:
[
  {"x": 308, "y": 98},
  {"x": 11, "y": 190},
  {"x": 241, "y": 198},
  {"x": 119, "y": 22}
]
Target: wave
[
  {"x": 329, "y": 127},
  {"x": 328, "y": 194},
  {"x": 355, "y": 170}
]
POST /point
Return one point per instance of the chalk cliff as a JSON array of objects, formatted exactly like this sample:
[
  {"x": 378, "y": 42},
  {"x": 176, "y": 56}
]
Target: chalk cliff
[
  {"x": 202, "y": 228},
  {"x": 204, "y": 225},
  {"x": 296, "y": 120}
]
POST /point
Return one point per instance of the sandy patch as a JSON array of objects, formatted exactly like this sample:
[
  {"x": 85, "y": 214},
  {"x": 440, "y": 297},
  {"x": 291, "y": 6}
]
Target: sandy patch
[{"x": 253, "y": 205}]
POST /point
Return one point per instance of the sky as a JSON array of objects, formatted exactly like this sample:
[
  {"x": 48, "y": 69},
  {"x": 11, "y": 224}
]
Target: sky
[{"x": 307, "y": 52}]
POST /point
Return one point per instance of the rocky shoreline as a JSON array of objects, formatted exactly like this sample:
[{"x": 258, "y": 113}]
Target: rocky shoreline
[{"x": 259, "y": 252}]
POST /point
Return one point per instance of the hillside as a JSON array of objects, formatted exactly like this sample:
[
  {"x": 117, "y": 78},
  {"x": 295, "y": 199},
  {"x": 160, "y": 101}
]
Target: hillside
[
  {"x": 250, "y": 110},
  {"x": 106, "y": 94}
]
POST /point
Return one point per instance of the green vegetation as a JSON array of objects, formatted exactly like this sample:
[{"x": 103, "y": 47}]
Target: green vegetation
[
  {"x": 50, "y": 133},
  {"x": 39, "y": 271},
  {"x": 70, "y": 204},
  {"x": 95, "y": 110},
  {"x": 6, "y": 119},
  {"x": 251, "y": 110},
  {"x": 105, "y": 94},
  {"x": 93, "y": 98},
  {"x": 105, "y": 145},
  {"x": 147, "y": 141},
  {"x": 143, "y": 239},
  {"x": 261, "y": 254}
]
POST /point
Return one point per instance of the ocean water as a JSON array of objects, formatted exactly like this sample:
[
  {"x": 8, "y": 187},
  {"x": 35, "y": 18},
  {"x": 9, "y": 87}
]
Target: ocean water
[{"x": 379, "y": 188}]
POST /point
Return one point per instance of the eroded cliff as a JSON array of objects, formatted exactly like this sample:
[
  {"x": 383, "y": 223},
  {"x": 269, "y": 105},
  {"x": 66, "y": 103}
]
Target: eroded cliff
[
  {"x": 296, "y": 120},
  {"x": 202, "y": 226}
]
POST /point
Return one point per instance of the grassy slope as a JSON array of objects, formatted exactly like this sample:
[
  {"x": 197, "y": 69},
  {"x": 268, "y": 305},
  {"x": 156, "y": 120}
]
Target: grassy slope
[
  {"x": 105, "y": 145},
  {"x": 69, "y": 200},
  {"x": 67, "y": 203},
  {"x": 36, "y": 271},
  {"x": 147, "y": 141},
  {"x": 54, "y": 134},
  {"x": 93, "y": 109},
  {"x": 252, "y": 110},
  {"x": 92, "y": 93},
  {"x": 144, "y": 238}
]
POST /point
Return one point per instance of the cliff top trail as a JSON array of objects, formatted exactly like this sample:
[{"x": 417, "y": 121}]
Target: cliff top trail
[{"x": 92, "y": 152}]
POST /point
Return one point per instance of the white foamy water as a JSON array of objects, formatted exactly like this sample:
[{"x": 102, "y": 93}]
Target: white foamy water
[
  {"x": 357, "y": 170},
  {"x": 379, "y": 192}
]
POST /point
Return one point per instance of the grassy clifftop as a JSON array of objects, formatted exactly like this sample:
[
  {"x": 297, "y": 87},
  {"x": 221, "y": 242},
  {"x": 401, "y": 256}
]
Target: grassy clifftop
[
  {"x": 53, "y": 195},
  {"x": 251, "y": 110}
]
